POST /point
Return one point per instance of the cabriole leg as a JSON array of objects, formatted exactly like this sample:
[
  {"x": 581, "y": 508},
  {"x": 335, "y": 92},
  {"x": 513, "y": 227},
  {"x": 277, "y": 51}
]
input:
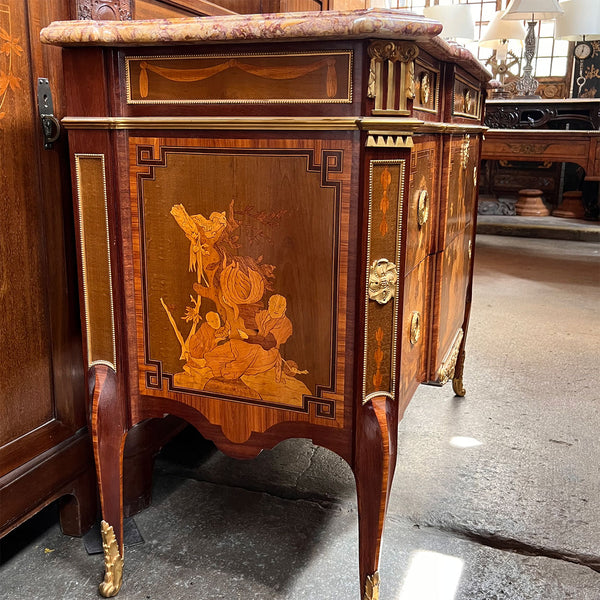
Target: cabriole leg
[
  {"x": 108, "y": 435},
  {"x": 374, "y": 471}
]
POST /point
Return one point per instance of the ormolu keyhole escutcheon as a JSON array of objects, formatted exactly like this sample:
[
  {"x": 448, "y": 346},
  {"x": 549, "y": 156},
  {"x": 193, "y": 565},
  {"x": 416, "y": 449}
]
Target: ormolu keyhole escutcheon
[
  {"x": 415, "y": 327},
  {"x": 422, "y": 208}
]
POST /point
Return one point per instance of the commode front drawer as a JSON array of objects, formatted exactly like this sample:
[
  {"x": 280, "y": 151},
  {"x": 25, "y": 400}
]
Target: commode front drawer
[
  {"x": 423, "y": 201},
  {"x": 449, "y": 297}
]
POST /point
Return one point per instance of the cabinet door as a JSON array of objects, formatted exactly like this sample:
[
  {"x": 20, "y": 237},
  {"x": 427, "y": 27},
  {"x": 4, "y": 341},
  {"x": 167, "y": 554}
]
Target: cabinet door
[
  {"x": 42, "y": 386},
  {"x": 240, "y": 294},
  {"x": 450, "y": 293}
]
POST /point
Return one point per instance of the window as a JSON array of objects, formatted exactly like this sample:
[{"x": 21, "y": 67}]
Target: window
[{"x": 551, "y": 59}]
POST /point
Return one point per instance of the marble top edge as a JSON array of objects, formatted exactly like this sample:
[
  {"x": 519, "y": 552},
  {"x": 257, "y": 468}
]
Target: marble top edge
[{"x": 306, "y": 26}]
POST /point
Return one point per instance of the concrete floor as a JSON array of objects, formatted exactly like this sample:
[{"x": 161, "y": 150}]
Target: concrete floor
[{"x": 496, "y": 496}]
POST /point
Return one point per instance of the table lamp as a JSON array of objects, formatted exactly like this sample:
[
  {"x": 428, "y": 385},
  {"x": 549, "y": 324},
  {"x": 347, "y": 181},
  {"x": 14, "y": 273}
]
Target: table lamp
[
  {"x": 580, "y": 23},
  {"x": 497, "y": 36},
  {"x": 457, "y": 20},
  {"x": 532, "y": 11}
]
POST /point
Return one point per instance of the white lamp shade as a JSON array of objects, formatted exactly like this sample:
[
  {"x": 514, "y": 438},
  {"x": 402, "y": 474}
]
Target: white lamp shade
[
  {"x": 457, "y": 20},
  {"x": 581, "y": 18},
  {"x": 500, "y": 29},
  {"x": 536, "y": 9}
]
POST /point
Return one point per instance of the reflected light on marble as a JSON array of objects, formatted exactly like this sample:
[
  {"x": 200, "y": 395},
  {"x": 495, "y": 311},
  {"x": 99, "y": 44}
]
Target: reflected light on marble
[
  {"x": 431, "y": 576},
  {"x": 459, "y": 441}
]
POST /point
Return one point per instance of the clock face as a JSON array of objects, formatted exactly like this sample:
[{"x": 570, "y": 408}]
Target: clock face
[{"x": 582, "y": 51}]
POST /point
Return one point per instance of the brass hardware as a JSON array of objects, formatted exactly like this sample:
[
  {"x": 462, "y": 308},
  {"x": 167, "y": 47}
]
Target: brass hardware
[
  {"x": 415, "y": 327},
  {"x": 246, "y": 123},
  {"x": 390, "y": 53},
  {"x": 425, "y": 88},
  {"x": 468, "y": 100},
  {"x": 372, "y": 587},
  {"x": 113, "y": 562},
  {"x": 377, "y": 126},
  {"x": 465, "y": 151},
  {"x": 446, "y": 371},
  {"x": 422, "y": 208},
  {"x": 458, "y": 387},
  {"x": 50, "y": 124},
  {"x": 389, "y": 141},
  {"x": 470, "y": 249},
  {"x": 475, "y": 176},
  {"x": 383, "y": 276},
  {"x": 457, "y": 380}
]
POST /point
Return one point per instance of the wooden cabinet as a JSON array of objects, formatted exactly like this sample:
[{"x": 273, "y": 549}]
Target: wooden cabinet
[
  {"x": 45, "y": 449},
  {"x": 275, "y": 223}
]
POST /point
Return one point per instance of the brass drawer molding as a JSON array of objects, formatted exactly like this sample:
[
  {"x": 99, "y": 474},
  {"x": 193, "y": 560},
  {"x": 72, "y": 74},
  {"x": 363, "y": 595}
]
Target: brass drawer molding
[
  {"x": 422, "y": 208},
  {"x": 446, "y": 371},
  {"x": 415, "y": 327},
  {"x": 383, "y": 277}
]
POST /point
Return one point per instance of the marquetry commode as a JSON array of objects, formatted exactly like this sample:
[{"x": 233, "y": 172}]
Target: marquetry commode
[{"x": 276, "y": 223}]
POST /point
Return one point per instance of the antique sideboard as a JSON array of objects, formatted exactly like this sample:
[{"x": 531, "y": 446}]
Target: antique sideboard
[
  {"x": 545, "y": 131},
  {"x": 275, "y": 220}
]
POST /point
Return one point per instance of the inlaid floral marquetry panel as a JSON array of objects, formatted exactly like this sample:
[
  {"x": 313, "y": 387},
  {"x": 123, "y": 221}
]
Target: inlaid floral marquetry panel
[{"x": 240, "y": 293}]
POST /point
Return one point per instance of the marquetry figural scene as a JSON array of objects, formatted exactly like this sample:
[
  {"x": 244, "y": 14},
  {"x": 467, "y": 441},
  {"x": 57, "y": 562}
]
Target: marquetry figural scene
[{"x": 240, "y": 283}]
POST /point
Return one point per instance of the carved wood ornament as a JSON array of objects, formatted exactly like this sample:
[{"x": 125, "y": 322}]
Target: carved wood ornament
[{"x": 105, "y": 10}]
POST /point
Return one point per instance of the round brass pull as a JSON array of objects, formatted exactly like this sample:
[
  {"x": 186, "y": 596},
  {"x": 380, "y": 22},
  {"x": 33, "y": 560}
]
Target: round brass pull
[
  {"x": 422, "y": 208},
  {"x": 415, "y": 327}
]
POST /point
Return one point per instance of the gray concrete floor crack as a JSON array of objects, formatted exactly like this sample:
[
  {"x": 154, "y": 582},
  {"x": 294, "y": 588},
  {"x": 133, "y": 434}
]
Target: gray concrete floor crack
[
  {"x": 286, "y": 493},
  {"x": 508, "y": 544}
]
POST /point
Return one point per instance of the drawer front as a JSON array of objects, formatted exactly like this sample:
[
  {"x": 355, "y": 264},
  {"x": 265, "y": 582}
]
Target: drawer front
[
  {"x": 242, "y": 301},
  {"x": 310, "y": 77},
  {"x": 423, "y": 201},
  {"x": 414, "y": 329},
  {"x": 450, "y": 292},
  {"x": 466, "y": 98},
  {"x": 459, "y": 185}
]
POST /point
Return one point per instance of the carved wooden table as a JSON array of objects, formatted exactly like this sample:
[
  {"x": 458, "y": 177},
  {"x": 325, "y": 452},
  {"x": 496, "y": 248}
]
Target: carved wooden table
[
  {"x": 553, "y": 131},
  {"x": 276, "y": 220}
]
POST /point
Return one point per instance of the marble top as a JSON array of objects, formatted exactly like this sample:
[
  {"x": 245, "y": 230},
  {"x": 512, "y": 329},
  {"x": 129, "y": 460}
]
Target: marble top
[
  {"x": 374, "y": 23},
  {"x": 306, "y": 26}
]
